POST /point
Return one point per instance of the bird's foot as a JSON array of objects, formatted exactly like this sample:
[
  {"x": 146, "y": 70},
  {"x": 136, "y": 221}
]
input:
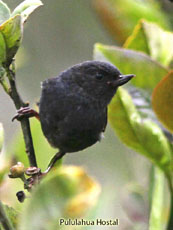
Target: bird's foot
[
  {"x": 56, "y": 157},
  {"x": 26, "y": 112}
]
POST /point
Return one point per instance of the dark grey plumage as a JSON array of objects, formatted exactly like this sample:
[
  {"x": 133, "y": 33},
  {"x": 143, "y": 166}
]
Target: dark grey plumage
[{"x": 73, "y": 106}]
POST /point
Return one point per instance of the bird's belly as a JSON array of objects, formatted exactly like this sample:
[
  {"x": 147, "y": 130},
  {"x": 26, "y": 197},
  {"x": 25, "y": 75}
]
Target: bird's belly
[
  {"x": 76, "y": 141},
  {"x": 75, "y": 136},
  {"x": 75, "y": 132}
]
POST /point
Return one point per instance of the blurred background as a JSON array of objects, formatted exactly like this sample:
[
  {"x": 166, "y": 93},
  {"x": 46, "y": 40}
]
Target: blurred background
[{"x": 58, "y": 35}]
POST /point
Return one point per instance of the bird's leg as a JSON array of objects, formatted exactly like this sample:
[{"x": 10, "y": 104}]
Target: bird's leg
[
  {"x": 57, "y": 157},
  {"x": 26, "y": 112}
]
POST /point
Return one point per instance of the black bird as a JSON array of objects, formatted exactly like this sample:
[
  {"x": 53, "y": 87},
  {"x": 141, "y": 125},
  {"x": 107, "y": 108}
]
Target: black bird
[{"x": 73, "y": 105}]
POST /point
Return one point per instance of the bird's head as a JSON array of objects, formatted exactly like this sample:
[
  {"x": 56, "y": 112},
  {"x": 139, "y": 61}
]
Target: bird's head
[{"x": 98, "y": 79}]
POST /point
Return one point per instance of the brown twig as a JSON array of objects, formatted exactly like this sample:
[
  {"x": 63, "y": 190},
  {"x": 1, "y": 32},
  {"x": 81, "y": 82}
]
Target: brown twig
[{"x": 25, "y": 124}]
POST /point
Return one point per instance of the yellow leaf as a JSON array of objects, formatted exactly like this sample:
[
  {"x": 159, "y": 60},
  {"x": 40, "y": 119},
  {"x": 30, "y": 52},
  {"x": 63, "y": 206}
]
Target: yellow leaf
[
  {"x": 87, "y": 198},
  {"x": 162, "y": 101}
]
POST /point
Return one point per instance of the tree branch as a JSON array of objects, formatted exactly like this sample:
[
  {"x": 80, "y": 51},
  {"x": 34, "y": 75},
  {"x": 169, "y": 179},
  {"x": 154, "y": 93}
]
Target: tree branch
[{"x": 25, "y": 124}]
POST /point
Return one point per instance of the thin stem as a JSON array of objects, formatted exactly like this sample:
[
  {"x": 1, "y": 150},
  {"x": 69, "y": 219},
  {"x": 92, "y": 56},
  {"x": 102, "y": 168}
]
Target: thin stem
[
  {"x": 170, "y": 184},
  {"x": 4, "y": 219},
  {"x": 25, "y": 124},
  {"x": 170, "y": 222}
]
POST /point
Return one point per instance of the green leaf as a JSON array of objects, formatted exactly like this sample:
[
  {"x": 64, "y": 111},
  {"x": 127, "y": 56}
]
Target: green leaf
[
  {"x": 26, "y": 8},
  {"x": 120, "y": 17},
  {"x": 4, "y": 169},
  {"x": 44, "y": 152},
  {"x": 12, "y": 32},
  {"x": 4, "y": 218},
  {"x": 148, "y": 72},
  {"x": 2, "y": 49},
  {"x": 12, "y": 214},
  {"x": 4, "y": 12},
  {"x": 65, "y": 193},
  {"x": 162, "y": 101},
  {"x": 1, "y": 136},
  {"x": 142, "y": 135},
  {"x": 138, "y": 40},
  {"x": 3, "y": 173},
  {"x": 153, "y": 40},
  {"x": 157, "y": 208}
]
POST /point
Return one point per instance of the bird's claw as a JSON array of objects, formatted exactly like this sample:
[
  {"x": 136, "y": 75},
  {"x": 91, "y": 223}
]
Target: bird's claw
[{"x": 25, "y": 112}]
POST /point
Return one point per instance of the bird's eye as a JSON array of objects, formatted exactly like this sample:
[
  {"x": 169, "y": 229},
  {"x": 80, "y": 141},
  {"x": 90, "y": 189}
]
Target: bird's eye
[{"x": 99, "y": 76}]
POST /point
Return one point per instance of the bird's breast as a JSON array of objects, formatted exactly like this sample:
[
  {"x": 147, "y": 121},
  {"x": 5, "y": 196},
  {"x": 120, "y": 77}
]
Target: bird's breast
[{"x": 70, "y": 119}]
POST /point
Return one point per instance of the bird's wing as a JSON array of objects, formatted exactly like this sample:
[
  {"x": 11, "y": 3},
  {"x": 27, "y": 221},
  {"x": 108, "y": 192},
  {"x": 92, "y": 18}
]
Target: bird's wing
[
  {"x": 52, "y": 105},
  {"x": 106, "y": 120}
]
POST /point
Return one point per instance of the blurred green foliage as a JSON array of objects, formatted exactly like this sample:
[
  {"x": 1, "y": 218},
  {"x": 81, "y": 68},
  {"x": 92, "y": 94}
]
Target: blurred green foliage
[
  {"x": 120, "y": 17},
  {"x": 68, "y": 191},
  {"x": 152, "y": 40},
  {"x": 1, "y": 136},
  {"x": 73, "y": 195},
  {"x": 131, "y": 61},
  {"x": 157, "y": 210},
  {"x": 143, "y": 133},
  {"x": 42, "y": 148}
]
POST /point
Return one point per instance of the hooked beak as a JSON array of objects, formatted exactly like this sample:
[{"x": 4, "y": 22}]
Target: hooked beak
[{"x": 122, "y": 79}]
